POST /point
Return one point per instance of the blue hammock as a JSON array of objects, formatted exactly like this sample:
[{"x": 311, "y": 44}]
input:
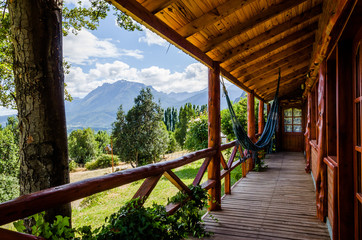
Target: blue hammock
[{"x": 268, "y": 132}]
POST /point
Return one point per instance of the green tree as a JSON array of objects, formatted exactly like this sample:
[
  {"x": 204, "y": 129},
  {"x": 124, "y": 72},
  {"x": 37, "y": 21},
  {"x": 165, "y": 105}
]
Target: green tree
[
  {"x": 197, "y": 135},
  {"x": 9, "y": 161},
  {"x": 103, "y": 139},
  {"x": 140, "y": 137},
  {"x": 240, "y": 109},
  {"x": 83, "y": 146},
  {"x": 186, "y": 113}
]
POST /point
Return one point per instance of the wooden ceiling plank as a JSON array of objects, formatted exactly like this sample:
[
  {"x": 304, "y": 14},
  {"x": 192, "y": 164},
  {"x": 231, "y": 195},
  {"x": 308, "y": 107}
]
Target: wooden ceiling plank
[
  {"x": 212, "y": 16},
  {"x": 298, "y": 48},
  {"x": 143, "y": 16},
  {"x": 251, "y": 23},
  {"x": 297, "y": 36},
  {"x": 293, "y": 85},
  {"x": 271, "y": 78},
  {"x": 272, "y": 69},
  {"x": 283, "y": 80},
  {"x": 160, "y": 5},
  {"x": 271, "y": 33}
]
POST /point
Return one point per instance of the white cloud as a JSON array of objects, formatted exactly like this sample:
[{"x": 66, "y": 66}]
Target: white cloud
[
  {"x": 84, "y": 47},
  {"x": 194, "y": 78},
  {"x": 152, "y": 38},
  {"x": 7, "y": 111},
  {"x": 84, "y": 3}
]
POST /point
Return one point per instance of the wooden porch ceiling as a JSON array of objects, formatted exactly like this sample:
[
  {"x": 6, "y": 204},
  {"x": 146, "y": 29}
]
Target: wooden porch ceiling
[{"x": 250, "y": 39}]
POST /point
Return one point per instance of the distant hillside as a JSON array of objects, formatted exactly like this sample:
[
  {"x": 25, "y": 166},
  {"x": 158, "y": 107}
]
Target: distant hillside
[{"x": 99, "y": 108}]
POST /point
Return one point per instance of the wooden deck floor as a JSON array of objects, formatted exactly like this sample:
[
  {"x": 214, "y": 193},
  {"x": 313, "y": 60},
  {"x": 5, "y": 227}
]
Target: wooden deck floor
[{"x": 278, "y": 203}]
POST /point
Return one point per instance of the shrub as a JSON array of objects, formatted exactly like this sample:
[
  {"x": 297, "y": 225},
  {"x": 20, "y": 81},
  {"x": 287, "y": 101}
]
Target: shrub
[
  {"x": 9, "y": 187},
  {"x": 103, "y": 161},
  {"x": 72, "y": 165}
]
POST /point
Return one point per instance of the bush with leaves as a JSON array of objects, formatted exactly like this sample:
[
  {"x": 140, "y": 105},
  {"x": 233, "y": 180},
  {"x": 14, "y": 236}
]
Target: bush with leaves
[
  {"x": 59, "y": 229},
  {"x": 82, "y": 145},
  {"x": 9, "y": 160},
  {"x": 103, "y": 161},
  {"x": 197, "y": 135},
  {"x": 133, "y": 221}
]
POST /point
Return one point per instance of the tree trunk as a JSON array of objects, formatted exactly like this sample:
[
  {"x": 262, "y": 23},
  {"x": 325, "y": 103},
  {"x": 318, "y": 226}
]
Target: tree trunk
[{"x": 36, "y": 31}]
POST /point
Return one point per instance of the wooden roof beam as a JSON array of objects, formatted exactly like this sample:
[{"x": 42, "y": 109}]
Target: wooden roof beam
[
  {"x": 285, "y": 79},
  {"x": 311, "y": 15},
  {"x": 212, "y": 16},
  {"x": 303, "y": 34},
  {"x": 305, "y": 46},
  {"x": 293, "y": 85},
  {"x": 285, "y": 65},
  {"x": 157, "y": 6},
  {"x": 251, "y": 23},
  {"x": 271, "y": 80}
]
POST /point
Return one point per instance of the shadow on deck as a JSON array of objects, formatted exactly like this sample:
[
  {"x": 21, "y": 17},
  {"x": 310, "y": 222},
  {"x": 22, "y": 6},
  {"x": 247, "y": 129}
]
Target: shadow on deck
[{"x": 278, "y": 203}]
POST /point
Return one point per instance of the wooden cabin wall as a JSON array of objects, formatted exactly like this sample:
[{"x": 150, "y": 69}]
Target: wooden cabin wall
[{"x": 342, "y": 73}]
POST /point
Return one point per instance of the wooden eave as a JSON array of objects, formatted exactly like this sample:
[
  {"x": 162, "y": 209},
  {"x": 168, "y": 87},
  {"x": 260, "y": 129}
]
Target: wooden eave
[{"x": 250, "y": 39}]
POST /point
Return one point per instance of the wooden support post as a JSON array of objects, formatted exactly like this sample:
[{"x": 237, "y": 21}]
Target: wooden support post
[
  {"x": 261, "y": 120},
  {"x": 344, "y": 93},
  {"x": 268, "y": 108},
  {"x": 251, "y": 116},
  {"x": 251, "y": 121},
  {"x": 214, "y": 139},
  {"x": 227, "y": 184}
]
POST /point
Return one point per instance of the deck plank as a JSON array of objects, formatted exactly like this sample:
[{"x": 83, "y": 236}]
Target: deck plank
[{"x": 278, "y": 203}]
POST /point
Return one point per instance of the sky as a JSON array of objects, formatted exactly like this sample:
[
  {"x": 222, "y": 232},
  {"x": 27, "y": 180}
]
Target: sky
[{"x": 110, "y": 53}]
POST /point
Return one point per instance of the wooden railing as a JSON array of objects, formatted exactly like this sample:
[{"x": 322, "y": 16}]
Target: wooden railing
[{"x": 30, "y": 204}]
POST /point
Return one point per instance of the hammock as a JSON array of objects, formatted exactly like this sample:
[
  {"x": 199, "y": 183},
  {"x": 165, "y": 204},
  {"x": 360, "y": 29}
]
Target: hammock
[{"x": 268, "y": 132}]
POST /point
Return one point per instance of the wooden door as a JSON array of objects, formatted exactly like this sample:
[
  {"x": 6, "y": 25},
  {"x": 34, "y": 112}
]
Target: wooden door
[
  {"x": 357, "y": 113},
  {"x": 292, "y": 130}
]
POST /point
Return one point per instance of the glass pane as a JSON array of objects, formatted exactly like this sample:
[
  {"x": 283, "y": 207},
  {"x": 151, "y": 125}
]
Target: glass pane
[
  {"x": 297, "y": 112},
  {"x": 288, "y": 128},
  {"x": 288, "y": 120},
  {"x": 297, "y": 128},
  {"x": 288, "y": 112},
  {"x": 297, "y": 120}
]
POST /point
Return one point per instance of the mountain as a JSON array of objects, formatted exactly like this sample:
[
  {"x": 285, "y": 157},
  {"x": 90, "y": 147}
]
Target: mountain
[{"x": 98, "y": 109}]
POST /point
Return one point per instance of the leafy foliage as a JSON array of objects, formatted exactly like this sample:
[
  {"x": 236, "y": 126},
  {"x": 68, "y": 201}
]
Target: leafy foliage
[
  {"x": 103, "y": 161},
  {"x": 140, "y": 137},
  {"x": 186, "y": 113},
  {"x": 197, "y": 135},
  {"x": 9, "y": 160},
  {"x": 82, "y": 145},
  {"x": 134, "y": 221},
  {"x": 103, "y": 139},
  {"x": 240, "y": 109},
  {"x": 59, "y": 229}
]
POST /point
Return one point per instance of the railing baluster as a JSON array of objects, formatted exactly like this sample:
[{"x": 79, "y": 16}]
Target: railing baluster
[
  {"x": 201, "y": 172},
  {"x": 175, "y": 180},
  {"x": 146, "y": 188}
]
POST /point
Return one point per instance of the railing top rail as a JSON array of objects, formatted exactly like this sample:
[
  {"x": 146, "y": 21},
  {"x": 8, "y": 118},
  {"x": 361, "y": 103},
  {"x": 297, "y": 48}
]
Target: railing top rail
[{"x": 29, "y": 204}]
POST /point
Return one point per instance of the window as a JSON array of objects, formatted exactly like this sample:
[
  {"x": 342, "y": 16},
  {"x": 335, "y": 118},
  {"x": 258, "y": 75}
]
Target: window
[{"x": 293, "y": 120}]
